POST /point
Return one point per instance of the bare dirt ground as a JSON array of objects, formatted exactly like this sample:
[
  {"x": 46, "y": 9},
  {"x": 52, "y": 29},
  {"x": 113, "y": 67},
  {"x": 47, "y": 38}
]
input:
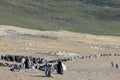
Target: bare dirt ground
[{"x": 21, "y": 41}]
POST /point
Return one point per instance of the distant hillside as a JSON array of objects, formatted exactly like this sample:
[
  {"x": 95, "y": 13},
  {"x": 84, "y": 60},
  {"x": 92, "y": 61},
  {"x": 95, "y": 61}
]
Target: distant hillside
[{"x": 86, "y": 16}]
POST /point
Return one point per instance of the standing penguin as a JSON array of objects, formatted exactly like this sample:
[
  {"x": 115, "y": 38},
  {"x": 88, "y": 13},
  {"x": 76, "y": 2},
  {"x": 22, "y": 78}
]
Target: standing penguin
[
  {"x": 47, "y": 69},
  {"x": 27, "y": 63},
  {"x": 59, "y": 67}
]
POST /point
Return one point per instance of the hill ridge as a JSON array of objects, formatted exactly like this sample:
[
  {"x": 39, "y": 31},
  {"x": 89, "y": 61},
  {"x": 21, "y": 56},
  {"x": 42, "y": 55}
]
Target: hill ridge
[{"x": 84, "y": 16}]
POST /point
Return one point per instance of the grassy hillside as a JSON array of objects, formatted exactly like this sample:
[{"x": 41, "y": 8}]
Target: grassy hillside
[{"x": 86, "y": 16}]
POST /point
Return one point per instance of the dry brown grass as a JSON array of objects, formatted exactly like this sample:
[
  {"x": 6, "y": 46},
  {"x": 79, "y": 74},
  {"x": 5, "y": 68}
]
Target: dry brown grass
[{"x": 66, "y": 41}]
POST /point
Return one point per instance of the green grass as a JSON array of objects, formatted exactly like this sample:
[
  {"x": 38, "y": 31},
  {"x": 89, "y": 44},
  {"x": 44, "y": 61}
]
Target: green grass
[{"x": 100, "y": 17}]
